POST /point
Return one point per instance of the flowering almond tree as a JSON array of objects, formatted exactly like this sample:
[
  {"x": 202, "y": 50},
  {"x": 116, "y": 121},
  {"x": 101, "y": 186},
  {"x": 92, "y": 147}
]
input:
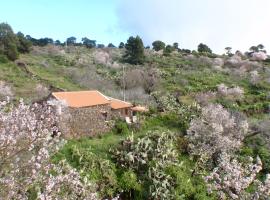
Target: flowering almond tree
[
  {"x": 28, "y": 136},
  {"x": 230, "y": 179},
  {"x": 216, "y": 131}
]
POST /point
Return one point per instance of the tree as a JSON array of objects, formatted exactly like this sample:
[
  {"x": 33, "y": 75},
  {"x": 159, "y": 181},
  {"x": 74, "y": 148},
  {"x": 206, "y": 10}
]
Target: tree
[
  {"x": 216, "y": 131},
  {"x": 24, "y": 45},
  {"x": 111, "y": 45},
  {"x": 121, "y": 45},
  {"x": 44, "y": 41},
  {"x": 175, "y": 46},
  {"x": 29, "y": 136},
  {"x": 89, "y": 43},
  {"x": 203, "y": 48},
  {"x": 57, "y": 42},
  {"x": 8, "y": 42},
  {"x": 187, "y": 51},
  {"x": 100, "y": 46},
  {"x": 134, "y": 50},
  {"x": 260, "y": 46},
  {"x": 169, "y": 49},
  {"x": 231, "y": 178},
  {"x": 158, "y": 45},
  {"x": 71, "y": 40},
  {"x": 254, "y": 49},
  {"x": 229, "y": 51}
]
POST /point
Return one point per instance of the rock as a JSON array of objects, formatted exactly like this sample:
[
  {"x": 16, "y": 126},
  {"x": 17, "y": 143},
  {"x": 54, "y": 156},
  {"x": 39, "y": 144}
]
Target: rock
[{"x": 20, "y": 63}]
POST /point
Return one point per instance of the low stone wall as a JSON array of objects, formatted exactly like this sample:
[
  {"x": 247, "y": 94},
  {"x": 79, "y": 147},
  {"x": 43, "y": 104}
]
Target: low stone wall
[{"x": 89, "y": 121}]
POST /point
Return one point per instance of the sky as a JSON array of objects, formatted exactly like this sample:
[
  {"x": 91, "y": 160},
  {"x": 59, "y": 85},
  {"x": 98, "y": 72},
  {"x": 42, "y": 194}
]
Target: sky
[{"x": 217, "y": 23}]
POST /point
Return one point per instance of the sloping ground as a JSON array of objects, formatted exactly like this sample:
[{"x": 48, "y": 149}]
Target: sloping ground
[
  {"x": 54, "y": 70},
  {"x": 175, "y": 82}
]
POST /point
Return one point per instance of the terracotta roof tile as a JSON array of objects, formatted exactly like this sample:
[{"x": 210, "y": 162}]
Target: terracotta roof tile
[
  {"x": 118, "y": 104},
  {"x": 82, "y": 98},
  {"x": 89, "y": 98}
]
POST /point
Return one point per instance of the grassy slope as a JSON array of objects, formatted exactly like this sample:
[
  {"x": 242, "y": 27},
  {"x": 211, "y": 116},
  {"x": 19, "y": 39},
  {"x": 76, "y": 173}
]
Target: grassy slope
[{"x": 178, "y": 75}]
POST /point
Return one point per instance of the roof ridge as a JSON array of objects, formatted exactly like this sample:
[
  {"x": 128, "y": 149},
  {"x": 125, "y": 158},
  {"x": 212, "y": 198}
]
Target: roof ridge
[
  {"x": 103, "y": 95},
  {"x": 119, "y": 100}
]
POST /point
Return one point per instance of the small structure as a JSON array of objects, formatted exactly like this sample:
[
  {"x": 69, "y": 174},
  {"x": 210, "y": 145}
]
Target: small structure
[
  {"x": 137, "y": 109},
  {"x": 121, "y": 109},
  {"x": 91, "y": 111}
]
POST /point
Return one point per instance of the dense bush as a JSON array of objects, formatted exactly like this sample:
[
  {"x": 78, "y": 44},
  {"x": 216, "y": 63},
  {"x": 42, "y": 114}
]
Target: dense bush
[
  {"x": 11, "y": 44},
  {"x": 3, "y": 59},
  {"x": 120, "y": 127},
  {"x": 8, "y": 42},
  {"x": 160, "y": 172}
]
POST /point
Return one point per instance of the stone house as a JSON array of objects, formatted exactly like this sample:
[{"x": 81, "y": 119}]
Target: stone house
[{"x": 90, "y": 112}]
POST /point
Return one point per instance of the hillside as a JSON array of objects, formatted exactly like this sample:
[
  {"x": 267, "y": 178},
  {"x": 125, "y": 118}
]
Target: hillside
[{"x": 177, "y": 88}]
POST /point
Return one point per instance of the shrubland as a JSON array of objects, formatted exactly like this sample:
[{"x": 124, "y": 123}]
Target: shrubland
[{"x": 206, "y": 135}]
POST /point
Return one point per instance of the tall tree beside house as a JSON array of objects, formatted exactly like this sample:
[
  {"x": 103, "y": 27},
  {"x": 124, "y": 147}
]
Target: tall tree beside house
[
  {"x": 134, "y": 51},
  {"x": 8, "y": 42}
]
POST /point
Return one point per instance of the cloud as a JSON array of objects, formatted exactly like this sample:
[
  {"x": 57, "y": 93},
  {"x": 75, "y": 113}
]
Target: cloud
[{"x": 218, "y": 23}]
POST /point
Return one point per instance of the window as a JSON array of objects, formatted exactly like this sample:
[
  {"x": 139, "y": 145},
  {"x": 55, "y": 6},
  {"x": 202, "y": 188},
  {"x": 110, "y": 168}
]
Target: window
[{"x": 104, "y": 114}]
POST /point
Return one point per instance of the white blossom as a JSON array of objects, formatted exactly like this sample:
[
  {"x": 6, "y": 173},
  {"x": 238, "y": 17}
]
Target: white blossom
[
  {"x": 234, "y": 92},
  {"x": 29, "y": 135},
  {"x": 230, "y": 179},
  {"x": 217, "y": 130}
]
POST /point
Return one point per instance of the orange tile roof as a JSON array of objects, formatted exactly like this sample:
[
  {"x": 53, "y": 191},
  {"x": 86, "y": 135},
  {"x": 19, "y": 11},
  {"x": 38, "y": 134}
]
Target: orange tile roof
[
  {"x": 82, "y": 98},
  {"x": 118, "y": 104},
  {"x": 89, "y": 98}
]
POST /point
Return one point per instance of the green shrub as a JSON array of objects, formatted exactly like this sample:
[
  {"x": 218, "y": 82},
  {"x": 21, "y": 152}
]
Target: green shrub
[
  {"x": 121, "y": 127},
  {"x": 257, "y": 146},
  {"x": 3, "y": 59},
  {"x": 154, "y": 168},
  {"x": 129, "y": 183},
  {"x": 188, "y": 186},
  {"x": 100, "y": 171},
  {"x": 148, "y": 157}
]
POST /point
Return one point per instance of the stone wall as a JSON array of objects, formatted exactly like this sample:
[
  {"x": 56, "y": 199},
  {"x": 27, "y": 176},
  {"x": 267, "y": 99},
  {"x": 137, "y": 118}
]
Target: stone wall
[
  {"x": 88, "y": 121},
  {"x": 121, "y": 113}
]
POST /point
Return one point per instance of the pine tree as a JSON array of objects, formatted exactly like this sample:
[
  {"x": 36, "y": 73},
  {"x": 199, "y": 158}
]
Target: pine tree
[{"x": 134, "y": 51}]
